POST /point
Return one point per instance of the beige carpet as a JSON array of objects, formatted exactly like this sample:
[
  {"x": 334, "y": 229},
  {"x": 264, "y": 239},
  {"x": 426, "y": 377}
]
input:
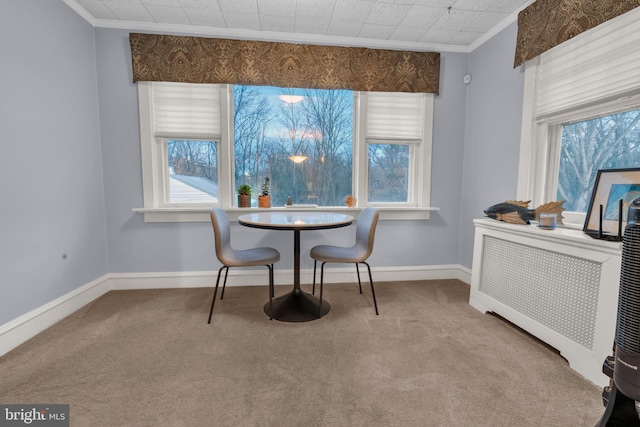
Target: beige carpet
[{"x": 149, "y": 358}]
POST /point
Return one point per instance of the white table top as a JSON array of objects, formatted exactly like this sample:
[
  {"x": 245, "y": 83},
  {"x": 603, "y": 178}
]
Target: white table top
[{"x": 295, "y": 220}]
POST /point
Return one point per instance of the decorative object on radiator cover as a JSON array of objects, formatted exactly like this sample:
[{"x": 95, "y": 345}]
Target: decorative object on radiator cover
[
  {"x": 613, "y": 191},
  {"x": 518, "y": 212},
  {"x": 547, "y": 221}
]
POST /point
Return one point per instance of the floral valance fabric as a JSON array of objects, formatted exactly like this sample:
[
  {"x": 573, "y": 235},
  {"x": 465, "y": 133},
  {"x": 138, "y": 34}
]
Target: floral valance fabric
[
  {"x": 212, "y": 60},
  {"x": 547, "y": 23}
]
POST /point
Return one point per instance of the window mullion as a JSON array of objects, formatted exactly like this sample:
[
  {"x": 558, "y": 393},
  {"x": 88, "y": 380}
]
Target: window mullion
[
  {"x": 147, "y": 145},
  {"x": 161, "y": 171},
  {"x": 360, "y": 150},
  {"x": 553, "y": 162},
  {"x": 541, "y": 165},
  {"x": 423, "y": 157},
  {"x": 415, "y": 175},
  {"x": 225, "y": 152}
]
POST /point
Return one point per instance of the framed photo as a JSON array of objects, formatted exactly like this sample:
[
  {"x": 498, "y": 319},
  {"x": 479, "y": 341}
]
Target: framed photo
[{"x": 614, "y": 189}]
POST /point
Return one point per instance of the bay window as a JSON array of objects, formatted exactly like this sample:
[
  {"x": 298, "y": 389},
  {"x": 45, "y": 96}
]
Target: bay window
[{"x": 200, "y": 142}]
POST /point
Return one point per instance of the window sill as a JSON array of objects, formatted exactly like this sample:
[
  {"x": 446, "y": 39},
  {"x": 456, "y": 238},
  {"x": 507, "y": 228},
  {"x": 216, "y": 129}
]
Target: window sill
[{"x": 201, "y": 214}]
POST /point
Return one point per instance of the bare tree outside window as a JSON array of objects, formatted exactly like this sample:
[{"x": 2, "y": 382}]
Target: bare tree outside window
[
  {"x": 193, "y": 171},
  {"x": 329, "y": 115},
  {"x": 607, "y": 142},
  {"x": 388, "y": 172},
  {"x": 301, "y": 138},
  {"x": 252, "y": 115}
]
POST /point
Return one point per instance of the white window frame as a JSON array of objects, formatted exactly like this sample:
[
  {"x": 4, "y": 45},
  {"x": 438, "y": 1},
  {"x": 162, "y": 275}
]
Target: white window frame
[
  {"x": 592, "y": 75},
  {"x": 155, "y": 185},
  {"x": 420, "y": 151},
  {"x": 154, "y": 166}
]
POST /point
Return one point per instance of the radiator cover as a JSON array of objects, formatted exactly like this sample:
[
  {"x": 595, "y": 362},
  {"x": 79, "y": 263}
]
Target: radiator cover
[
  {"x": 559, "y": 285},
  {"x": 557, "y": 290}
]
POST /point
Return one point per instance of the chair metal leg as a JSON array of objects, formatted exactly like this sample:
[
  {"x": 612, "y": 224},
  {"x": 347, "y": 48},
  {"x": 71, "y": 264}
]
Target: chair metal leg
[
  {"x": 359, "y": 283},
  {"x": 224, "y": 284},
  {"x": 271, "y": 281},
  {"x": 271, "y": 292},
  {"x": 321, "y": 288},
  {"x": 373, "y": 292},
  {"x": 313, "y": 290},
  {"x": 215, "y": 291}
]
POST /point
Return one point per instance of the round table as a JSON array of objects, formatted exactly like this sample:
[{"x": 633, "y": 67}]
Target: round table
[{"x": 297, "y": 305}]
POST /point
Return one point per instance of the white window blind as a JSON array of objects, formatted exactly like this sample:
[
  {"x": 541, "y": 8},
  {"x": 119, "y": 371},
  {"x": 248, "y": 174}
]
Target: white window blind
[
  {"x": 185, "y": 110},
  {"x": 599, "y": 65},
  {"x": 395, "y": 116}
]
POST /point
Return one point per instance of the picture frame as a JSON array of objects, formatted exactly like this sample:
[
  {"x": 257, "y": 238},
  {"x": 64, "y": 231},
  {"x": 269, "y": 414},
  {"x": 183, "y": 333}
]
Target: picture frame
[{"x": 613, "y": 191}]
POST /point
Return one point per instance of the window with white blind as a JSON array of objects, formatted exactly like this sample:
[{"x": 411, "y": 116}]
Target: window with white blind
[
  {"x": 200, "y": 142},
  {"x": 581, "y": 114},
  {"x": 395, "y": 127},
  {"x": 182, "y": 130}
]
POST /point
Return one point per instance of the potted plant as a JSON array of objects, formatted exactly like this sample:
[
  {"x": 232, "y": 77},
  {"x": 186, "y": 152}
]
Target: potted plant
[
  {"x": 264, "y": 199},
  {"x": 244, "y": 196}
]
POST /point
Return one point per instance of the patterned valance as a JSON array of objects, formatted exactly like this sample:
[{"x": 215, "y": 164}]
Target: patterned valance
[
  {"x": 211, "y": 60},
  {"x": 547, "y": 23}
]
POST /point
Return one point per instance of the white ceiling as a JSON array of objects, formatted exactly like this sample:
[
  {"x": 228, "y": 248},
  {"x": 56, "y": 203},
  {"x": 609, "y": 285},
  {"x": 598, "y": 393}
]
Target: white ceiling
[{"x": 453, "y": 25}]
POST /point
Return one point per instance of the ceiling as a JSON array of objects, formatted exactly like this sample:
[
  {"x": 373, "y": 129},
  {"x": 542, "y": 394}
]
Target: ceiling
[{"x": 452, "y": 25}]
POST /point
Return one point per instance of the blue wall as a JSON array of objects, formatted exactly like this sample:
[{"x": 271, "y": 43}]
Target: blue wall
[
  {"x": 52, "y": 221},
  {"x": 492, "y": 139},
  {"x": 135, "y": 246},
  {"x": 71, "y": 171}
]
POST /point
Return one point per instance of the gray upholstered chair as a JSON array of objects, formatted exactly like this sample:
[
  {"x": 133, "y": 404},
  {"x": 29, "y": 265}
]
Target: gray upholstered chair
[
  {"x": 230, "y": 257},
  {"x": 357, "y": 254}
]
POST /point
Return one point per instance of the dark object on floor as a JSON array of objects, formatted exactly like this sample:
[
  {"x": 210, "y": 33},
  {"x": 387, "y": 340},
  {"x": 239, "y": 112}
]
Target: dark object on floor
[{"x": 623, "y": 392}]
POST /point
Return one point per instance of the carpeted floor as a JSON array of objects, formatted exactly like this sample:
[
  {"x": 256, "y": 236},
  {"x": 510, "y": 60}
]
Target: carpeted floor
[{"x": 149, "y": 358}]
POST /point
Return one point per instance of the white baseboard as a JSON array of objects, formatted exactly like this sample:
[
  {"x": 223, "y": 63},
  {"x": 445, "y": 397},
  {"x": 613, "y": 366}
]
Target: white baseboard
[
  {"x": 25, "y": 327},
  {"x": 255, "y": 277}
]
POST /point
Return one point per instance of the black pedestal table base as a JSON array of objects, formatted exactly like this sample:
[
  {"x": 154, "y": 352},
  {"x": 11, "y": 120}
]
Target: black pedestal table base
[{"x": 296, "y": 306}]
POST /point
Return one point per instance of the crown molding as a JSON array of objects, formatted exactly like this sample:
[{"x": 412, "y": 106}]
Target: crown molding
[
  {"x": 501, "y": 26},
  {"x": 81, "y": 11},
  {"x": 272, "y": 36}
]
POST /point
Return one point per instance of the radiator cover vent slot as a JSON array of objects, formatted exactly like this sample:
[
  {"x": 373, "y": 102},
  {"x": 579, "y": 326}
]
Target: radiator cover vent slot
[{"x": 554, "y": 289}]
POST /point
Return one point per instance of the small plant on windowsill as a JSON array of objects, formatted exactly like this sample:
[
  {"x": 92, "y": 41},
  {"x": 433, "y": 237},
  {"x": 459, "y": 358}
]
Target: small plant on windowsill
[
  {"x": 264, "y": 200},
  {"x": 244, "y": 196}
]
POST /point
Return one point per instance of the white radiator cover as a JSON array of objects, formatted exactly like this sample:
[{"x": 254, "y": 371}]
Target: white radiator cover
[{"x": 559, "y": 285}]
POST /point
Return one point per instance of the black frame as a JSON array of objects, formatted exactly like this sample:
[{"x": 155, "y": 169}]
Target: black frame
[{"x": 607, "y": 205}]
